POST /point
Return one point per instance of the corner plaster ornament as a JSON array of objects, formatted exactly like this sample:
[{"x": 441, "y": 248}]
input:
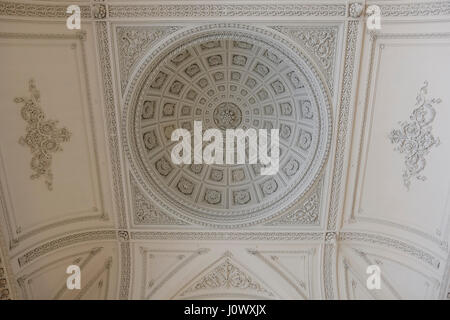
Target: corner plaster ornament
[
  {"x": 306, "y": 213},
  {"x": 42, "y": 136},
  {"x": 132, "y": 44},
  {"x": 414, "y": 138},
  {"x": 319, "y": 41},
  {"x": 145, "y": 212},
  {"x": 227, "y": 76},
  {"x": 355, "y": 10}
]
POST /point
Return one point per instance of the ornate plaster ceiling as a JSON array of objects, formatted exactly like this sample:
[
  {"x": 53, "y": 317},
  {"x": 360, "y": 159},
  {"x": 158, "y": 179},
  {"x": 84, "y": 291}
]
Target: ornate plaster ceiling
[
  {"x": 228, "y": 77},
  {"x": 140, "y": 228}
]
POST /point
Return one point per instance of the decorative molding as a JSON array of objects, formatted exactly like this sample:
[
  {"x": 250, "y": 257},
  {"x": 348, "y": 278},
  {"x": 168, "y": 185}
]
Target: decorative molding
[
  {"x": 145, "y": 213},
  {"x": 241, "y": 236},
  {"x": 355, "y": 9},
  {"x": 226, "y": 10},
  {"x": 17, "y": 9},
  {"x": 64, "y": 242},
  {"x": 79, "y": 35},
  {"x": 329, "y": 263},
  {"x": 441, "y": 243},
  {"x": 343, "y": 119},
  {"x": 439, "y": 8},
  {"x": 118, "y": 11},
  {"x": 331, "y": 237},
  {"x": 407, "y": 248},
  {"x": 444, "y": 292},
  {"x": 5, "y": 288},
  {"x": 414, "y": 138},
  {"x": 104, "y": 55},
  {"x": 123, "y": 235},
  {"x": 133, "y": 42},
  {"x": 42, "y": 136},
  {"x": 321, "y": 42},
  {"x": 125, "y": 270}
]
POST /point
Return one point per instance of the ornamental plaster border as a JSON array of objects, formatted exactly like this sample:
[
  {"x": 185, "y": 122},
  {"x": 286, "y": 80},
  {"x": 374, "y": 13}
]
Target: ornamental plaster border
[
  {"x": 110, "y": 11},
  {"x": 104, "y": 54}
]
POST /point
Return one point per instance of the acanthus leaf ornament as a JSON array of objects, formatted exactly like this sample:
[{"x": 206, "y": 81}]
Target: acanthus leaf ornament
[
  {"x": 226, "y": 275},
  {"x": 320, "y": 42},
  {"x": 42, "y": 136},
  {"x": 414, "y": 138}
]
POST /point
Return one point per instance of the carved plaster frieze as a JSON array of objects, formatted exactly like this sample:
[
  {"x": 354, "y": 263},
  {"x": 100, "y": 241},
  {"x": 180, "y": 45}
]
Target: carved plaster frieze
[
  {"x": 237, "y": 236},
  {"x": 62, "y": 242},
  {"x": 112, "y": 126},
  {"x": 400, "y": 245},
  {"x": 222, "y": 10},
  {"x": 17, "y": 9},
  {"x": 431, "y": 8},
  {"x": 344, "y": 108}
]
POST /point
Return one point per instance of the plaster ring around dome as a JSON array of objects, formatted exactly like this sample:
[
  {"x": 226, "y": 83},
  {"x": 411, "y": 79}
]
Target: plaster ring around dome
[{"x": 227, "y": 76}]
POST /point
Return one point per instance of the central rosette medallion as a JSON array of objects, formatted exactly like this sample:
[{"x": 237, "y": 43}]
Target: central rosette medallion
[{"x": 227, "y": 115}]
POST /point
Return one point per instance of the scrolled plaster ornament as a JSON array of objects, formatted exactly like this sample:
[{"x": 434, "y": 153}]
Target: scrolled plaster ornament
[
  {"x": 414, "y": 139},
  {"x": 42, "y": 136},
  {"x": 226, "y": 276}
]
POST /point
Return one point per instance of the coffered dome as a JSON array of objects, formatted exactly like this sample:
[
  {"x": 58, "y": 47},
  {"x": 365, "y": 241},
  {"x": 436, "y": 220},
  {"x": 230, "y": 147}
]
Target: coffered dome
[{"x": 227, "y": 77}]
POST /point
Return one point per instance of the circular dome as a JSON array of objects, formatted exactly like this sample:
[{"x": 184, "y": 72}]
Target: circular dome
[{"x": 227, "y": 77}]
